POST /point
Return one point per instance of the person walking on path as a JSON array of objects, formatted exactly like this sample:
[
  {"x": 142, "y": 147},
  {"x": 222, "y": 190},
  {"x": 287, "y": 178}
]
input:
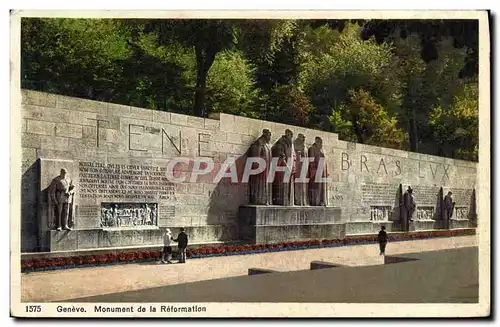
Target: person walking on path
[
  {"x": 182, "y": 241},
  {"x": 167, "y": 246},
  {"x": 382, "y": 240}
]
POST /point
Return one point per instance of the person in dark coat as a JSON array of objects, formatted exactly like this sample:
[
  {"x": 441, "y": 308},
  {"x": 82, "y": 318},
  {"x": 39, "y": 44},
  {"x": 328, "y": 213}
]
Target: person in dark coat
[
  {"x": 382, "y": 240},
  {"x": 182, "y": 243}
]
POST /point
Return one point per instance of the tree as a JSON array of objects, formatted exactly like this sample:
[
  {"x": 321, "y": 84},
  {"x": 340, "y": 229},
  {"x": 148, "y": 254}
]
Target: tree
[
  {"x": 455, "y": 129},
  {"x": 271, "y": 45},
  {"x": 464, "y": 33},
  {"x": 424, "y": 85},
  {"x": 231, "y": 86},
  {"x": 360, "y": 119},
  {"x": 346, "y": 63},
  {"x": 159, "y": 76},
  {"x": 286, "y": 104},
  {"x": 75, "y": 57},
  {"x": 206, "y": 37}
]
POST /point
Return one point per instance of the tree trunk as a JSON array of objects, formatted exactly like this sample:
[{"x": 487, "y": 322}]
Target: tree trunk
[
  {"x": 357, "y": 130},
  {"x": 413, "y": 132},
  {"x": 204, "y": 60}
]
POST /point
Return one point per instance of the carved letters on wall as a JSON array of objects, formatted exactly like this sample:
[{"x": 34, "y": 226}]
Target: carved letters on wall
[
  {"x": 425, "y": 213},
  {"x": 380, "y": 213},
  {"x": 128, "y": 214}
]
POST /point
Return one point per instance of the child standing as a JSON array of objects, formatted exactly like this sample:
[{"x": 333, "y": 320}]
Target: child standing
[
  {"x": 167, "y": 248},
  {"x": 382, "y": 240}
]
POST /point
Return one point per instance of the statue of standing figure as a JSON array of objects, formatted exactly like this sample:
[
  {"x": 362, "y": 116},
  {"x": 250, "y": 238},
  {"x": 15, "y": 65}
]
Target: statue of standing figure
[
  {"x": 409, "y": 206},
  {"x": 260, "y": 189},
  {"x": 283, "y": 193},
  {"x": 300, "y": 185},
  {"x": 61, "y": 191},
  {"x": 449, "y": 205},
  {"x": 317, "y": 187}
]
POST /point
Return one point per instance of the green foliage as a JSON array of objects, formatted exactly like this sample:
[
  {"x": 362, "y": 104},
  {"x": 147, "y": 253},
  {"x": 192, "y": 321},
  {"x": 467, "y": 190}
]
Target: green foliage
[
  {"x": 286, "y": 104},
  {"x": 375, "y": 82},
  {"x": 361, "y": 119},
  {"x": 230, "y": 85},
  {"x": 79, "y": 57},
  {"x": 347, "y": 63},
  {"x": 456, "y": 128}
]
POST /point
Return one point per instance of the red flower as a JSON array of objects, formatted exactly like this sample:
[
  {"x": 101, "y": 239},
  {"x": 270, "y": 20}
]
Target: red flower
[
  {"x": 131, "y": 256},
  {"x": 101, "y": 258},
  {"x": 89, "y": 259},
  {"x": 26, "y": 264}
]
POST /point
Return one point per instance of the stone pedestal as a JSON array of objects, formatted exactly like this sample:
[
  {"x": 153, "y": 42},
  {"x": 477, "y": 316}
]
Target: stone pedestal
[
  {"x": 87, "y": 239},
  {"x": 459, "y": 223},
  {"x": 418, "y": 225},
  {"x": 272, "y": 224},
  {"x": 366, "y": 227},
  {"x": 82, "y": 239}
]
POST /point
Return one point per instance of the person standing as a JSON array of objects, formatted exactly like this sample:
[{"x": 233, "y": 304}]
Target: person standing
[
  {"x": 182, "y": 241},
  {"x": 167, "y": 246},
  {"x": 382, "y": 240}
]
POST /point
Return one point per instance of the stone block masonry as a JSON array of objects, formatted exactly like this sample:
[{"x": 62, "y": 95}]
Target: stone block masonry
[{"x": 118, "y": 154}]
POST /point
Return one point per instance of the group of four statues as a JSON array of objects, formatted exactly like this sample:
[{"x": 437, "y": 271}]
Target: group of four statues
[{"x": 289, "y": 189}]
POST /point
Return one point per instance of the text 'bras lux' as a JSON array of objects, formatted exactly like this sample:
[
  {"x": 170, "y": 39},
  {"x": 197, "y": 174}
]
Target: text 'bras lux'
[{"x": 380, "y": 166}]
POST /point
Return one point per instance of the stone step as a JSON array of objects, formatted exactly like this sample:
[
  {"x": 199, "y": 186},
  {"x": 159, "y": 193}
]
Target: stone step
[
  {"x": 323, "y": 264},
  {"x": 259, "y": 271}
]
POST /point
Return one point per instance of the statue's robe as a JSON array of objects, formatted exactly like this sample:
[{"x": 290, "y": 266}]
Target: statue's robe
[
  {"x": 260, "y": 189},
  {"x": 283, "y": 188},
  {"x": 300, "y": 187},
  {"x": 318, "y": 191}
]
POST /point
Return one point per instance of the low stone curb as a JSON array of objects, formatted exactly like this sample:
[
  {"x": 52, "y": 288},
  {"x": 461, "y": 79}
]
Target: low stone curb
[{"x": 33, "y": 265}]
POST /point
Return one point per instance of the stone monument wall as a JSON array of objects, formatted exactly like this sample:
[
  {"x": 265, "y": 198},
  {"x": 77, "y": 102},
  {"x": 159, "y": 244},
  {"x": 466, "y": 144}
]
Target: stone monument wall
[{"x": 117, "y": 157}]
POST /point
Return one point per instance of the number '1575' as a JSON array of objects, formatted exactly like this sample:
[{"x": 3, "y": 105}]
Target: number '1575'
[{"x": 33, "y": 308}]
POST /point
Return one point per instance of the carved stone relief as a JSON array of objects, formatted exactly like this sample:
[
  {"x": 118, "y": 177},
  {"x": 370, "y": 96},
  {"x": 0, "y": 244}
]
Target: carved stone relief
[
  {"x": 380, "y": 213},
  {"x": 461, "y": 213},
  {"x": 129, "y": 214},
  {"x": 425, "y": 213}
]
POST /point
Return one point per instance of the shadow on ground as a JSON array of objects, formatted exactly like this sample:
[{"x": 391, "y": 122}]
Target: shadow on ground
[
  {"x": 449, "y": 276},
  {"x": 391, "y": 259}
]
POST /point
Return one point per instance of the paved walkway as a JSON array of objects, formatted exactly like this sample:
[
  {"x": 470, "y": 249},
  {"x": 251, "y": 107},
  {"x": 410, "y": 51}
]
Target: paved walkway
[
  {"x": 85, "y": 282},
  {"x": 446, "y": 276}
]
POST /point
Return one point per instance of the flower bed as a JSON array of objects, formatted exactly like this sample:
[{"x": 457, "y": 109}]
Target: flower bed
[{"x": 224, "y": 250}]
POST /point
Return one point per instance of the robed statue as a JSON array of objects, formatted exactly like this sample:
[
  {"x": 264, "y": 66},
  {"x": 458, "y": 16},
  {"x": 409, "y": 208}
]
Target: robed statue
[
  {"x": 300, "y": 185},
  {"x": 260, "y": 189},
  {"x": 60, "y": 200},
  {"x": 409, "y": 207},
  {"x": 282, "y": 183},
  {"x": 317, "y": 172}
]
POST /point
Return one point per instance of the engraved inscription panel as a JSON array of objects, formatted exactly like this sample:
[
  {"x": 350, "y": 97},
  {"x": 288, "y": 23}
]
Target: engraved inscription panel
[
  {"x": 462, "y": 196},
  {"x": 167, "y": 211},
  {"x": 425, "y": 194},
  {"x": 124, "y": 182},
  {"x": 129, "y": 214},
  {"x": 379, "y": 193},
  {"x": 85, "y": 211}
]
